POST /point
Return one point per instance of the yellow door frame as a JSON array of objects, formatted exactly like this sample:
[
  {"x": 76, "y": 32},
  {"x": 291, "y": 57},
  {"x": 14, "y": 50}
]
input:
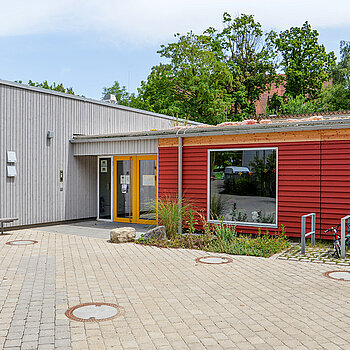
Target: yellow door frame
[{"x": 135, "y": 197}]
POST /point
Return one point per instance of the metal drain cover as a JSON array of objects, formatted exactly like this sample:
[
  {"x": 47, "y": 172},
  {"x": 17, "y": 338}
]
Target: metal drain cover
[
  {"x": 22, "y": 242},
  {"x": 213, "y": 260},
  {"x": 338, "y": 275},
  {"x": 93, "y": 312}
]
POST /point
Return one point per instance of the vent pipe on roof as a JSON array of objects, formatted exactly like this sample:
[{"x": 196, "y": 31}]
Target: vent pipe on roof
[{"x": 110, "y": 98}]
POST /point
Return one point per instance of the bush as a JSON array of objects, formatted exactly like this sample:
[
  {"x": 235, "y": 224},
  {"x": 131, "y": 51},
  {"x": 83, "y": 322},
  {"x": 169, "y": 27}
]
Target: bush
[
  {"x": 225, "y": 240},
  {"x": 188, "y": 241},
  {"x": 262, "y": 245},
  {"x": 224, "y": 232},
  {"x": 170, "y": 211}
]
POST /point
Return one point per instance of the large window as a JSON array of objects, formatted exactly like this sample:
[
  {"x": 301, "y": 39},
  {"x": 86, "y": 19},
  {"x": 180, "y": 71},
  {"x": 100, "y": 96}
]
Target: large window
[{"x": 242, "y": 186}]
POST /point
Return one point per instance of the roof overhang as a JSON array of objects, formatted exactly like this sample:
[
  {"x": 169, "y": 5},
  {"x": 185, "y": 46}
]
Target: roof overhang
[{"x": 199, "y": 131}]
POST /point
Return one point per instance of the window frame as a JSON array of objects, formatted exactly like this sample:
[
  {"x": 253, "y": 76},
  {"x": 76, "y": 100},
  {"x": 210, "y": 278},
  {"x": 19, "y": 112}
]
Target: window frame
[
  {"x": 240, "y": 223},
  {"x": 98, "y": 188}
]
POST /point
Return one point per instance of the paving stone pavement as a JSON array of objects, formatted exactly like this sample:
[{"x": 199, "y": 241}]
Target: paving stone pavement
[
  {"x": 169, "y": 301},
  {"x": 314, "y": 254}
]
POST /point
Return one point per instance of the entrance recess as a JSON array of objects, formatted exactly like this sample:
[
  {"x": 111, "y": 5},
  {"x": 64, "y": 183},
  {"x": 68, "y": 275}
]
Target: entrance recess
[{"x": 135, "y": 189}]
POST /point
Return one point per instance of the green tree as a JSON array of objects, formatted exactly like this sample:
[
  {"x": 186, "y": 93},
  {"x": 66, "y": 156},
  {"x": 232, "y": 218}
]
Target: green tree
[
  {"x": 192, "y": 85},
  {"x": 249, "y": 54},
  {"x": 123, "y": 96},
  {"x": 337, "y": 96},
  {"x": 305, "y": 62},
  {"x": 341, "y": 73},
  {"x": 334, "y": 98},
  {"x": 54, "y": 86},
  {"x": 291, "y": 105},
  {"x": 212, "y": 77}
]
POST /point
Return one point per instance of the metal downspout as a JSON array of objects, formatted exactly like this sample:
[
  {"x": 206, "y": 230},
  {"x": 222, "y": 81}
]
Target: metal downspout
[{"x": 179, "y": 185}]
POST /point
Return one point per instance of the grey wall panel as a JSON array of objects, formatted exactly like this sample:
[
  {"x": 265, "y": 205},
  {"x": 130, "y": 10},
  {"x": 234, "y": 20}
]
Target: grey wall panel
[
  {"x": 26, "y": 115},
  {"x": 116, "y": 147}
]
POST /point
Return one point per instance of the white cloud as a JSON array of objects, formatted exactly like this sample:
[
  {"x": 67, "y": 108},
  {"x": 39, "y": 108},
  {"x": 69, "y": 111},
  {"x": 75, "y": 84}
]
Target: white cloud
[{"x": 154, "y": 21}]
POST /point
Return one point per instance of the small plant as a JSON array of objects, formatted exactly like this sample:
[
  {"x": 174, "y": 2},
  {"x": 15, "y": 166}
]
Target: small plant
[
  {"x": 191, "y": 220},
  {"x": 206, "y": 226},
  {"x": 224, "y": 232},
  {"x": 282, "y": 230}
]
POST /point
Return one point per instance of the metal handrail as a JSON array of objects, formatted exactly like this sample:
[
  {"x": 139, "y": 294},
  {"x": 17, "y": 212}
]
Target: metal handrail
[
  {"x": 312, "y": 232},
  {"x": 343, "y": 223}
]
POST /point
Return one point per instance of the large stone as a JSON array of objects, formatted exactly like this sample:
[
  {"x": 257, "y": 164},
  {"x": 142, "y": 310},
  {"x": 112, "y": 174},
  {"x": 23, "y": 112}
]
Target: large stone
[
  {"x": 155, "y": 233},
  {"x": 123, "y": 235}
]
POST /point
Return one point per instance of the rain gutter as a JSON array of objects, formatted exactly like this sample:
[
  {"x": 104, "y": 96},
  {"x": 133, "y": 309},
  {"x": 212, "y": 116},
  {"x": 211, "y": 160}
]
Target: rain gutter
[
  {"x": 217, "y": 131},
  {"x": 179, "y": 175}
]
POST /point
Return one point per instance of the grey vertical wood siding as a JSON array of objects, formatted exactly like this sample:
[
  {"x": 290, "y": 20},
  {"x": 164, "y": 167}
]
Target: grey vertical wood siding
[
  {"x": 116, "y": 147},
  {"x": 26, "y": 115}
]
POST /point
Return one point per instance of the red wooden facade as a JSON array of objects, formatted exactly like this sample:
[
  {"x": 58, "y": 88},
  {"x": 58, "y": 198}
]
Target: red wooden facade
[{"x": 313, "y": 176}]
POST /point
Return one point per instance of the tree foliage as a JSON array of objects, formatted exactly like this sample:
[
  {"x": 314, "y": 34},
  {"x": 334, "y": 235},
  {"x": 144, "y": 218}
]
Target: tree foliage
[
  {"x": 305, "y": 62},
  {"x": 294, "y": 105},
  {"x": 337, "y": 96},
  {"x": 219, "y": 75},
  {"x": 334, "y": 98},
  {"x": 192, "y": 85},
  {"x": 341, "y": 73},
  {"x": 123, "y": 96},
  {"x": 53, "y": 86},
  {"x": 211, "y": 77},
  {"x": 250, "y": 58}
]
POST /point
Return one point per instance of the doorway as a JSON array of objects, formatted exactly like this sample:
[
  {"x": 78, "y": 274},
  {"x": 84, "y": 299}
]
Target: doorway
[{"x": 135, "y": 189}]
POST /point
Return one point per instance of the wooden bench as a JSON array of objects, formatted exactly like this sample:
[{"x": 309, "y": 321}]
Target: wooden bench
[{"x": 6, "y": 221}]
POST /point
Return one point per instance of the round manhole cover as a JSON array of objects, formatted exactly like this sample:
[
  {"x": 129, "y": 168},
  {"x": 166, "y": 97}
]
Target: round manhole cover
[
  {"x": 93, "y": 312},
  {"x": 338, "y": 275},
  {"x": 22, "y": 242},
  {"x": 213, "y": 260}
]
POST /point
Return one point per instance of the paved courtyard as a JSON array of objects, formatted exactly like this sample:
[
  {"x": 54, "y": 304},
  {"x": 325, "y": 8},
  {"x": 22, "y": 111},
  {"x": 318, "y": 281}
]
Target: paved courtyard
[{"x": 168, "y": 300}]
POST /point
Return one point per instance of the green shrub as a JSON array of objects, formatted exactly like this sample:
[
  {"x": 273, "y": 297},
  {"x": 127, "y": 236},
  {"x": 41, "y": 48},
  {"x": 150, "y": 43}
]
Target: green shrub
[
  {"x": 188, "y": 241},
  {"x": 224, "y": 232},
  {"x": 170, "y": 212},
  {"x": 262, "y": 245}
]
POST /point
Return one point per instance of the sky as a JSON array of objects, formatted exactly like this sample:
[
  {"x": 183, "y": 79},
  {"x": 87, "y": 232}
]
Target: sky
[{"x": 89, "y": 44}]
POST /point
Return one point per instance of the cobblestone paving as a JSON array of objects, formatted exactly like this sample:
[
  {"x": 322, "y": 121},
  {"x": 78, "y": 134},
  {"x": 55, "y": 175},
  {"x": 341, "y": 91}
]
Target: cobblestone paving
[
  {"x": 314, "y": 254},
  {"x": 169, "y": 301}
]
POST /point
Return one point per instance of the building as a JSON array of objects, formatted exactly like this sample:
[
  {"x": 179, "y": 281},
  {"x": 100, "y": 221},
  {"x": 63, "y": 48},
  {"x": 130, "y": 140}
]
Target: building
[
  {"x": 77, "y": 158},
  {"x": 43, "y": 176},
  {"x": 264, "y": 99},
  {"x": 265, "y": 174}
]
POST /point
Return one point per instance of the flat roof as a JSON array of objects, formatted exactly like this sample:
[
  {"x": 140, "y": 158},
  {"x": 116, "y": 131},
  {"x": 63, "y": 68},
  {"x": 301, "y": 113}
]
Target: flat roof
[
  {"x": 90, "y": 100},
  {"x": 223, "y": 129}
]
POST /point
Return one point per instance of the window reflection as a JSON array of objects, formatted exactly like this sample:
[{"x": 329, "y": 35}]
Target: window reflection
[{"x": 243, "y": 185}]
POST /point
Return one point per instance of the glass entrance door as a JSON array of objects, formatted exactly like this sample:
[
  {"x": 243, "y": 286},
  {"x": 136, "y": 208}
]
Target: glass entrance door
[
  {"x": 123, "y": 168},
  {"x": 135, "y": 189},
  {"x": 147, "y": 189}
]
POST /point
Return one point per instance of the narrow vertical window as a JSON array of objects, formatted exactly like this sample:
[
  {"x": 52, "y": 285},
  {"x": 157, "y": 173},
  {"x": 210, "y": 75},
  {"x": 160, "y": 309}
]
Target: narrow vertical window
[{"x": 104, "y": 204}]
